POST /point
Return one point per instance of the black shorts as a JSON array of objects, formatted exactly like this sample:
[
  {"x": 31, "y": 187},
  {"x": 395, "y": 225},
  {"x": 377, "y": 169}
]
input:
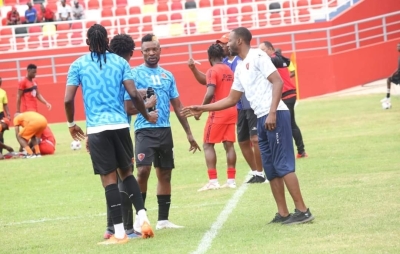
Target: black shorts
[
  {"x": 154, "y": 145},
  {"x": 1, "y": 115},
  {"x": 395, "y": 79},
  {"x": 246, "y": 124},
  {"x": 110, "y": 150}
]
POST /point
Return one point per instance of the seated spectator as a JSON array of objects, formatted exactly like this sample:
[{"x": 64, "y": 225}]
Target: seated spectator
[
  {"x": 13, "y": 17},
  {"x": 47, "y": 14},
  {"x": 77, "y": 11},
  {"x": 64, "y": 11},
  {"x": 47, "y": 143},
  {"x": 4, "y": 125},
  {"x": 30, "y": 14}
]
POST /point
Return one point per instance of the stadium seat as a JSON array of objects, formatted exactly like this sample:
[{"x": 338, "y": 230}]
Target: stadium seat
[
  {"x": 246, "y": 1},
  {"x": 190, "y": 4},
  {"x": 304, "y": 15},
  {"x": 204, "y": 26},
  {"x": 35, "y": 30},
  {"x": 275, "y": 18},
  {"x": 49, "y": 30},
  {"x": 163, "y": 7},
  {"x": 176, "y": 17},
  {"x": 176, "y": 6},
  {"x": 134, "y": 10},
  {"x": 302, "y": 4},
  {"x": 176, "y": 29},
  {"x": 52, "y": 6},
  {"x": 147, "y": 9},
  {"x": 218, "y": 3},
  {"x": 47, "y": 41},
  {"x": 76, "y": 38},
  {"x": 90, "y": 23},
  {"x": 162, "y": 19},
  {"x": 107, "y": 12},
  {"x": 247, "y": 10},
  {"x": 77, "y": 26},
  {"x": 247, "y": 21},
  {"x": 20, "y": 43},
  {"x": 120, "y": 11},
  {"x": 217, "y": 13},
  {"x": 107, "y": 4},
  {"x": 287, "y": 5},
  {"x": 62, "y": 40},
  {"x": 22, "y": 19},
  {"x": 134, "y": 21},
  {"x": 147, "y": 26},
  {"x": 11, "y": 2},
  {"x": 274, "y": 7},
  {"x": 190, "y": 16},
  {"x": 332, "y": 3},
  {"x": 316, "y": 4},
  {"x": 33, "y": 42},
  {"x": 92, "y": 5},
  {"x": 287, "y": 17},
  {"x": 190, "y": 28},
  {"x": 121, "y": 3},
  {"x": 204, "y": 3},
  {"x": 4, "y": 21},
  {"x": 230, "y": 2},
  {"x": 146, "y": 2},
  {"x": 232, "y": 22},
  {"x": 5, "y": 35},
  {"x": 120, "y": 25},
  {"x": 217, "y": 25}
]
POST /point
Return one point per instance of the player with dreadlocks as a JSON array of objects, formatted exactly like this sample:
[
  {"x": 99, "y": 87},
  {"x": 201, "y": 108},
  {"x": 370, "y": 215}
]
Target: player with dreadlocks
[
  {"x": 110, "y": 143},
  {"x": 123, "y": 45},
  {"x": 220, "y": 126}
]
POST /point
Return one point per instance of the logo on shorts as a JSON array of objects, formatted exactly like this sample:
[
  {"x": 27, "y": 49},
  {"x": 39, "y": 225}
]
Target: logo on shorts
[
  {"x": 277, "y": 138},
  {"x": 141, "y": 156}
]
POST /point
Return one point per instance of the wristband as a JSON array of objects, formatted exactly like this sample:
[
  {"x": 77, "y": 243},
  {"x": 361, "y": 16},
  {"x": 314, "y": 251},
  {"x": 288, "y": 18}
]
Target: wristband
[{"x": 71, "y": 124}]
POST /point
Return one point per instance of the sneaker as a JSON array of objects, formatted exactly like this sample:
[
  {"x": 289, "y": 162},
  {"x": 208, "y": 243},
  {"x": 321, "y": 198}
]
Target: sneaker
[
  {"x": 258, "y": 179},
  {"x": 210, "y": 186},
  {"x": 252, "y": 179},
  {"x": 136, "y": 225},
  {"x": 108, "y": 234},
  {"x": 385, "y": 100},
  {"x": 229, "y": 185},
  {"x": 38, "y": 155},
  {"x": 163, "y": 224},
  {"x": 302, "y": 155},
  {"x": 147, "y": 231},
  {"x": 29, "y": 156},
  {"x": 279, "y": 219},
  {"x": 113, "y": 240},
  {"x": 132, "y": 234},
  {"x": 299, "y": 217}
]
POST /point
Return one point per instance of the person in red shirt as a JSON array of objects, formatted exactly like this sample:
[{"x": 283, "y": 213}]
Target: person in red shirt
[
  {"x": 288, "y": 92},
  {"x": 47, "y": 142},
  {"x": 13, "y": 17},
  {"x": 221, "y": 125},
  {"x": 28, "y": 92},
  {"x": 47, "y": 14}
]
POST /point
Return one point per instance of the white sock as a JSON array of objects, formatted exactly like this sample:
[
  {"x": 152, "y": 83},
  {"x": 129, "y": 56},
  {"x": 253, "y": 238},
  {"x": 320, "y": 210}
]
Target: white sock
[
  {"x": 259, "y": 173},
  {"x": 143, "y": 217},
  {"x": 254, "y": 172},
  {"x": 119, "y": 231},
  {"x": 213, "y": 181},
  {"x": 230, "y": 181}
]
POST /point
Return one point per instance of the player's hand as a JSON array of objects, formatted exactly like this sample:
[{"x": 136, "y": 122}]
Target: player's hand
[
  {"x": 87, "y": 144},
  {"x": 197, "y": 117},
  {"x": 76, "y": 133},
  {"x": 191, "y": 64},
  {"x": 152, "y": 117},
  {"x": 193, "y": 144},
  {"x": 9, "y": 149},
  {"x": 151, "y": 102},
  {"x": 270, "y": 122},
  {"x": 191, "y": 111},
  {"x": 48, "y": 105}
]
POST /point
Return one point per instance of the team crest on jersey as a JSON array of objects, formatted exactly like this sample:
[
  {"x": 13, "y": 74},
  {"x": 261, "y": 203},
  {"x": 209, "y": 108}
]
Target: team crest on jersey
[
  {"x": 163, "y": 75},
  {"x": 141, "y": 156},
  {"x": 247, "y": 66}
]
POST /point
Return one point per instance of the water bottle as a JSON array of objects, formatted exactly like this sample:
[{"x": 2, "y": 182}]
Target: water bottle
[{"x": 150, "y": 92}]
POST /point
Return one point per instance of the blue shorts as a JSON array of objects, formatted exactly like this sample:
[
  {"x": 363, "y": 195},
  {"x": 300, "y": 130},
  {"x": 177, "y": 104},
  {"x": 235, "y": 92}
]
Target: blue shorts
[{"x": 276, "y": 146}]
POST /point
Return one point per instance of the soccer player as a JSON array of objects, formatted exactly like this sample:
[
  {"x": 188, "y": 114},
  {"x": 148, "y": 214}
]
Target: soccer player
[
  {"x": 395, "y": 79},
  {"x": 123, "y": 45},
  {"x": 3, "y": 109},
  {"x": 4, "y": 125},
  {"x": 29, "y": 126},
  {"x": 47, "y": 142},
  {"x": 154, "y": 143},
  {"x": 258, "y": 78},
  {"x": 28, "y": 92},
  {"x": 111, "y": 148},
  {"x": 220, "y": 126},
  {"x": 288, "y": 92},
  {"x": 247, "y": 120}
]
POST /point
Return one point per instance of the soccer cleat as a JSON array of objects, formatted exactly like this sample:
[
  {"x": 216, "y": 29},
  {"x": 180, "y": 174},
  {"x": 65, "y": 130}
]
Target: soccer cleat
[
  {"x": 257, "y": 179},
  {"x": 113, "y": 240},
  {"x": 252, "y": 179},
  {"x": 29, "y": 156},
  {"x": 38, "y": 155},
  {"x": 134, "y": 235},
  {"x": 229, "y": 185},
  {"x": 299, "y": 217},
  {"x": 147, "y": 231},
  {"x": 210, "y": 186},
  {"x": 279, "y": 219},
  {"x": 108, "y": 234},
  {"x": 385, "y": 100},
  {"x": 302, "y": 155},
  {"x": 162, "y": 224}
]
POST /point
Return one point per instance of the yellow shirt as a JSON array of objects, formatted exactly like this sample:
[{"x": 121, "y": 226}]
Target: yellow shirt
[
  {"x": 3, "y": 99},
  {"x": 291, "y": 67}
]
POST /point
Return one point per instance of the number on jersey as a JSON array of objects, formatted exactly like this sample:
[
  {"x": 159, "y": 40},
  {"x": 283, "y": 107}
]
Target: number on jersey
[{"x": 156, "y": 79}]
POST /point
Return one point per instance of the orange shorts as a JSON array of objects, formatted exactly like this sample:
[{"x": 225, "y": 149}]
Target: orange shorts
[
  {"x": 217, "y": 133},
  {"x": 33, "y": 129},
  {"x": 46, "y": 147}
]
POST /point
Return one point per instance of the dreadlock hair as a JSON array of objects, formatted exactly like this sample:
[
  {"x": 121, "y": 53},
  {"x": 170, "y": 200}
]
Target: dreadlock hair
[
  {"x": 122, "y": 44},
  {"x": 97, "y": 36},
  {"x": 215, "y": 51},
  {"x": 268, "y": 45}
]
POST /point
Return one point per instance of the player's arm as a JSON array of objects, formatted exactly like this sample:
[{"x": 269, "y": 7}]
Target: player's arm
[
  {"x": 21, "y": 87},
  {"x": 200, "y": 77},
  {"x": 131, "y": 110},
  {"x": 42, "y": 99},
  {"x": 5, "y": 106},
  {"x": 211, "y": 78},
  {"x": 209, "y": 94},
  {"x": 136, "y": 98},
  {"x": 230, "y": 101},
  {"x": 177, "y": 105},
  {"x": 2, "y": 145}
]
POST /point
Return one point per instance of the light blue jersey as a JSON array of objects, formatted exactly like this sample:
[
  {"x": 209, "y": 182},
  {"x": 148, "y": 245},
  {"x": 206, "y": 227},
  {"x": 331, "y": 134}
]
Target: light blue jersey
[
  {"x": 102, "y": 89},
  {"x": 164, "y": 86}
]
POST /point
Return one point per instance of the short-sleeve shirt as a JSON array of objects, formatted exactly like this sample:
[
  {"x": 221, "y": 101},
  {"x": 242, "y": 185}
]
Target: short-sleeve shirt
[
  {"x": 102, "y": 90},
  {"x": 3, "y": 100},
  {"x": 164, "y": 86},
  {"x": 251, "y": 77},
  {"x": 48, "y": 14},
  {"x": 29, "y": 93},
  {"x": 31, "y": 15},
  {"x": 48, "y": 135},
  {"x": 221, "y": 77},
  {"x": 232, "y": 65},
  {"x": 25, "y": 118},
  {"x": 13, "y": 17},
  {"x": 64, "y": 10}
]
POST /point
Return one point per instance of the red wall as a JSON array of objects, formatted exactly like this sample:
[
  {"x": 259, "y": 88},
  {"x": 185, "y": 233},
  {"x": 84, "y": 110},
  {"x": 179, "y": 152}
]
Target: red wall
[{"x": 318, "y": 72}]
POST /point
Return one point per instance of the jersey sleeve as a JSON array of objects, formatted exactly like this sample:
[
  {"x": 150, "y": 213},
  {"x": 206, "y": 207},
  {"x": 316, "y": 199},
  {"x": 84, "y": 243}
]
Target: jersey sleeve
[
  {"x": 211, "y": 77},
  {"x": 291, "y": 67},
  {"x": 237, "y": 85},
  {"x": 173, "y": 92},
  {"x": 22, "y": 85},
  {"x": 73, "y": 78},
  {"x": 127, "y": 72},
  {"x": 265, "y": 65},
  {"x": 17, "y": 120}
]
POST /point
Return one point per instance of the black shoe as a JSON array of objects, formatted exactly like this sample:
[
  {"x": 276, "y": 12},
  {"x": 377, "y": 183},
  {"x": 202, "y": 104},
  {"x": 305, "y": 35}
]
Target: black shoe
[
  {"x": 299, "y": 217},
  {"x": 252, "y": 179},
  {"x": 259, "y": 179},
  {"x": 279, "y": 219}
]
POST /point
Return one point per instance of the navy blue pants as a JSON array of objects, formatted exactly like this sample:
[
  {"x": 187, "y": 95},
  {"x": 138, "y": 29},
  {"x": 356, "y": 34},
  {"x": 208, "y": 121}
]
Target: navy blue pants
[{"x": 276, "y": 146}]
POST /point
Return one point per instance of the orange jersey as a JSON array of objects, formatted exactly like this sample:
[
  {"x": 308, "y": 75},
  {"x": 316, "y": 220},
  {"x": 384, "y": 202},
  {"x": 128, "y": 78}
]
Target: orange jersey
[
  {"x": 48, "y": 135},
  {"x": 221, "y": 77},
  {"x": 29, "y": 92},
  {"x": 28, "y": 118}
]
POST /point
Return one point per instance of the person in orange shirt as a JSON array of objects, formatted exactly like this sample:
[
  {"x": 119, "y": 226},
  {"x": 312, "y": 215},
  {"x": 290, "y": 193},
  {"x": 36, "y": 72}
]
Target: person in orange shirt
[
  {"x": 4, "y": 125},
  {"x": 33, "y": 125},
  {"x": 28, "y": 92},
  {"x": 47, "y": 142},
  {"x": 220, "y": 126}
]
